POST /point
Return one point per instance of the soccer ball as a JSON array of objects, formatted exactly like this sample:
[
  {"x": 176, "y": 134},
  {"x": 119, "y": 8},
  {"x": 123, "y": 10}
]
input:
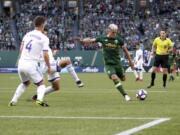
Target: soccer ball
[{"x": 141, "y": 94}]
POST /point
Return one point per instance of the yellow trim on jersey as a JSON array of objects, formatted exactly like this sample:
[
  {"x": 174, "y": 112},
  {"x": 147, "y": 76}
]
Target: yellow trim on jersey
[{"x": 162, "y": 46}]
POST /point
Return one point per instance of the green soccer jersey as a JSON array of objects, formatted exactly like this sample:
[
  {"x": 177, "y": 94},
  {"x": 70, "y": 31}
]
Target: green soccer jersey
[
  {"x": 171, "y": 59},
  {"x": 111, "y": 49}
]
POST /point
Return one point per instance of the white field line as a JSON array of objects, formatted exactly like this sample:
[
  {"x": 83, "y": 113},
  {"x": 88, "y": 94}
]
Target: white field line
[
  {"x": 155, "y": 121},
  {"x": 144, "y": 126},
  {"x": 86, "y": 117}
]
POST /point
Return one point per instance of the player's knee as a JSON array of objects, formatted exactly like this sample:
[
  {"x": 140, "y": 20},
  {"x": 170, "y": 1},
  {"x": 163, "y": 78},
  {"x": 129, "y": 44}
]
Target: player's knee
[
  {"x": 123, "y": 78},
  {"x": 56, "y": 87},
  {"x": 114, "y": 77},
  {"x": 27, "y": 83},
  {"x": 65, "y": 62},
  {"x": 39, "y": 83},
  {"x": 68, "y": 61},
  {"x": 165, "y": 71},
  {"x": 154, "y": 69}
]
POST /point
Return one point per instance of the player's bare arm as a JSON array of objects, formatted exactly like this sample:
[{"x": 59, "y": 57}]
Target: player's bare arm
[
  {"x": 21, "y": 47},
  {"x": 170, "y": 49},
  {"x": 88, "y": 40},
  {"x": 46, "y": 59}
]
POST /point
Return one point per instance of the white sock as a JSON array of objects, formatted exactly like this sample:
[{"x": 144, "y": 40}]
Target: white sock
[
  {"x": 141, "y": 75},
  {"x": 19, "y": 91},
  {"x": 48, "y": 90},
  {"x": 135, "y": 73},
  {"x": 40, "y": 92},
  {"x": 72, "y": 72}
]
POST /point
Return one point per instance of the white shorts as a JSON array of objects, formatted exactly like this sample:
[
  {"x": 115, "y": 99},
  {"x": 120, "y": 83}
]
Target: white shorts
[
  {"x": 53, "y": 77},
  {"x": 29, "y": 71},
  {"x": 55, "y": 69},
  {"x": 139, "y": 66}
]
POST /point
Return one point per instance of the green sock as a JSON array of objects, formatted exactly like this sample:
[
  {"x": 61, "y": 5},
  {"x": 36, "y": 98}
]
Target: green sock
[{"x": 119, "y": 87}]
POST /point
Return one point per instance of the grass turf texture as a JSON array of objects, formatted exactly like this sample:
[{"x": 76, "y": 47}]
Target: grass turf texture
[{"x": 98, "y": 98}]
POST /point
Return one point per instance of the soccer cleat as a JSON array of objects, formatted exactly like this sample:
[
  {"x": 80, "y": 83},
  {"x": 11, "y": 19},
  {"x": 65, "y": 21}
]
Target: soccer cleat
[
  {"x": 41, "y": 103},
  {"x": 137, "y": 79},
  {"x": 12, "y": 104},
  {"x": 127, "y": 98},
  {"x": 34, "y": 98},
  {"x": 150, "y": 86},
  {"x": 79, "y": 84},
  {"x": 164, "y": 85}
]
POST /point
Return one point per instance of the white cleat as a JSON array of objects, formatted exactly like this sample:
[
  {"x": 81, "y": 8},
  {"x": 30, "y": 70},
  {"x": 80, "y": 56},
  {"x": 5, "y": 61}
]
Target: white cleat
[{"x": 127, "y": 98}]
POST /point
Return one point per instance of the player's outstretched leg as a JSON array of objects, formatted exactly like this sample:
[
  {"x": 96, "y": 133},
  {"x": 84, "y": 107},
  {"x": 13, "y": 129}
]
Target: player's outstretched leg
[
  {"x": 19, "y": 91},
  {"x": 68, "y": 64},
  {"x": 119, "y": 87}
]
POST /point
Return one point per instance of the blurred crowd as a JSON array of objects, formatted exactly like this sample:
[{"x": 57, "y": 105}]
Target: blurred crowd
[
  {"x": 6, "y": 38},
  {"x": 55, "y": 23},
  {"x": 135, "y": 27}
]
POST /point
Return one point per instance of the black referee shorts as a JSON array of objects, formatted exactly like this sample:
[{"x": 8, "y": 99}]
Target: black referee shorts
[{"x": 161, "y": 60}]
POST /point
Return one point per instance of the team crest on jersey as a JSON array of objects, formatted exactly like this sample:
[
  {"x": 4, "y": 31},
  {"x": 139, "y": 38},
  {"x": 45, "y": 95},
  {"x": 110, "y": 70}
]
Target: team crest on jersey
[
  {"x": 108, "y": 71},
  {"x": 116, "y": 41}
]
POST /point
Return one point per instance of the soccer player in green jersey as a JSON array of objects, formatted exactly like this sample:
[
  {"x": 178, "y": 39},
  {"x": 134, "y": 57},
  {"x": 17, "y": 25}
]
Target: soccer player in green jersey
[
  {"x": 111, "y": 44},
  {"x": 171, "y": 65},
  {"x": 177, "y": 63}
]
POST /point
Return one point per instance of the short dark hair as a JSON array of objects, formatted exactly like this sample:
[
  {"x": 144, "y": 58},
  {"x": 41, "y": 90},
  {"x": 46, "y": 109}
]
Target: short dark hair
[
  {"x": 46, "y": 28},
  {"x": 39, "y": 20}
]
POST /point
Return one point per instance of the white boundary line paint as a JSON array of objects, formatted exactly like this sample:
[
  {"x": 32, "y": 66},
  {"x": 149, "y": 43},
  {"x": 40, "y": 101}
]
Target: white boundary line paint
[
  {"x": 144, "y": 126},
  {"x": 155, "y": 121}
]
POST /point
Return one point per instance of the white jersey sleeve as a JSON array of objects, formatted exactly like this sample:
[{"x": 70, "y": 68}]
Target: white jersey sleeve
[
  {"x": 46, "y": 44},
  {"x": 51, "y": 57}
]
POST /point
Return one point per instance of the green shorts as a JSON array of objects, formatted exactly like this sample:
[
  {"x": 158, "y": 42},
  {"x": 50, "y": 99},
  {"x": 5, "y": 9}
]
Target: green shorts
[{"x": 115, "y": 69}]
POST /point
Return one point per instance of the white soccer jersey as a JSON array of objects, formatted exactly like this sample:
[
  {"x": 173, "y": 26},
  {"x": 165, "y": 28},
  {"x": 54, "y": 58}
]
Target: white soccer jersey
[
  {"x": 139, "y": 55},
  {"x": 139, "y": 59},
  {"x": 34, "y": 43}
]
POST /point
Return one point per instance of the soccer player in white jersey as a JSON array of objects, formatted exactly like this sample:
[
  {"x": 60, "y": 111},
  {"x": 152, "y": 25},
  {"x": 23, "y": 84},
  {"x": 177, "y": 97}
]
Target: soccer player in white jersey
[
  {"x": 138, "y": 64},
  {"x": 33, "y": 43},
  {"x": 56, "y": 66}
]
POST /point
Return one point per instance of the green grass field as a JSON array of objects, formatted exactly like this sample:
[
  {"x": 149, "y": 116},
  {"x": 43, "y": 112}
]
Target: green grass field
[{"x": 96, "y": 109}]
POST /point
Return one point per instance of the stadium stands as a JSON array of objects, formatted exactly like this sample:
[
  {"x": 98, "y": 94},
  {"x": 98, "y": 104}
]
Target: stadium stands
[{"x": 134, "y": 26}]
